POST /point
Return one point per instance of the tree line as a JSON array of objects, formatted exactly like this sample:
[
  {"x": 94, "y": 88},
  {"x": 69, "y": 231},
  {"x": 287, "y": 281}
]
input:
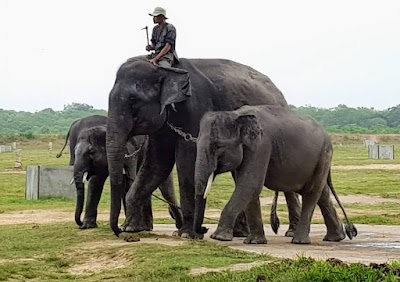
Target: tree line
[{"x": 340, "y": 119}]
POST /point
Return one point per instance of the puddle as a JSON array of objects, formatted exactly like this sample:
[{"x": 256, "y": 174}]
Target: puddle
[{"x": 395, "y": 245}]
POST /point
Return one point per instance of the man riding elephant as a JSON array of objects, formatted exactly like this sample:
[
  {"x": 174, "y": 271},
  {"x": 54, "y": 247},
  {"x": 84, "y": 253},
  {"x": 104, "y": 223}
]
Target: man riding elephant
[{"x": 166, "y": 105}]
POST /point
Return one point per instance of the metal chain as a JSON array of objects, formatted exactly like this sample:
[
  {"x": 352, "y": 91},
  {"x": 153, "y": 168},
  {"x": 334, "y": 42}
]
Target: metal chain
[
  {"x": 180, "y": 132},
  {"x": 134, "y": 154}
]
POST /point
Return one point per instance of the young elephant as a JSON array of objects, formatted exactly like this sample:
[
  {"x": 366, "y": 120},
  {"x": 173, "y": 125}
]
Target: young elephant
[
  {"x": 267, "y": 146},
  {"x": 91, "y": 164},
  {"x": 75, "y": 129}
]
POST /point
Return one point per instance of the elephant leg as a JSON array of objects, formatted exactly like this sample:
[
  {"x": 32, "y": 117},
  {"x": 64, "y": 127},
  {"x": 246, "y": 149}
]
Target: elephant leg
[
  {"x": 249, "y": 183},
  {"x": 241, "y": 228},
  {"x": 95, "y": 189},
  {"x": 293, "y": 204},
  {"x": 311, "y": 194},
  {"x": 185, "y": 163},
  {"x": 157, "y": 166},
  {"x": 253, "y": 213},
  {"x": 144, "y": 216},
  {"x": 334, "y": 226},
  {"x": 168, "y": 192}
]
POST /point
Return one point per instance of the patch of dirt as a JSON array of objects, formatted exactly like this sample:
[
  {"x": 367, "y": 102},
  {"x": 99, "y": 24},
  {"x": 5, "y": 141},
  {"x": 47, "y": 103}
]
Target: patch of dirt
[
  {"x": 13, "y": 172},
  {"x": 4, "y": 261},
  {"x": 49, "y": 217},
  {"x": 345, "y": 199},
  {"x": 89, "y": 261},
  {"x": 40, "y": 217},
  {"x": 234, "y": 267},
  {"x": 370, "y": 166}
]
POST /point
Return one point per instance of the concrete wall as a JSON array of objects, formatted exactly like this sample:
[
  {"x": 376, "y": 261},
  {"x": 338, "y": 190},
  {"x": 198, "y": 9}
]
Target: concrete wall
[
  {"x": 381, "y": 152},
  {"x": 46, "y": 181},
  {"x": 5, "y": 149}
]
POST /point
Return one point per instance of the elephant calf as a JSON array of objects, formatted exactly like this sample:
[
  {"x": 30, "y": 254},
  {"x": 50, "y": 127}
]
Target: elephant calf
[
  {"x": 75, "y": 129},
  {"x": 91, "y": 163},
  {"x": 267, "y": 146}
]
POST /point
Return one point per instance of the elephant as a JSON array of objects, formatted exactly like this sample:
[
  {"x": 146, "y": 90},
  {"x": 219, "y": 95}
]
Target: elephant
[
  {"x": 269, "y": 146},
  {"x": 91, "y": 164},
  {"x": 167, "y": 104},
  {"x": 76, "y": 127}
]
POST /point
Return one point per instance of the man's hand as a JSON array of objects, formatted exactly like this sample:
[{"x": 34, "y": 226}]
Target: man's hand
[
  {"x": 149, "y": 48},
  {"x": 154, "y": 61}
]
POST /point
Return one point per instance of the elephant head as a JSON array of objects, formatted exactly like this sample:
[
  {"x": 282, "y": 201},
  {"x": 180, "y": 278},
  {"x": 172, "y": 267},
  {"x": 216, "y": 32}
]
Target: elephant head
[
  {"x": 90, "y": 153},
  {"x": 137, "y": 106},
  {"x": 223, "y": 137}
]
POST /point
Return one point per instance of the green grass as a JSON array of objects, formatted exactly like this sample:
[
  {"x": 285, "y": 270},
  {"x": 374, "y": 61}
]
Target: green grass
[
  {"x": 47, "y": 251},
  {"x": 357, "y": 154}
]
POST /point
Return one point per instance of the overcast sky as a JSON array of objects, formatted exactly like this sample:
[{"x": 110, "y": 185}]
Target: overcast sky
[{"x": 319, "y": 53}]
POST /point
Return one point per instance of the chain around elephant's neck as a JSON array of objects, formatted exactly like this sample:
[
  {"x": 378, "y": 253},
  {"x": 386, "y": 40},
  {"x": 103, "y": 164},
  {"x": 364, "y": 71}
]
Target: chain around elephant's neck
[
  {"x": 134, "y": 154},
  {"x": 180, "y": 132}
]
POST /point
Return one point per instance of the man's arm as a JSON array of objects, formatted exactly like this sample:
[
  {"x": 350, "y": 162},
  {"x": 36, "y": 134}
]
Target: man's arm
[{"x": 163, "y": 52}]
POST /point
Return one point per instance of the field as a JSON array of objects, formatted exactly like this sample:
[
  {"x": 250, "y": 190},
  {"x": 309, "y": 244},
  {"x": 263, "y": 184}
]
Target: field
[{"x": 39, "y": 240}]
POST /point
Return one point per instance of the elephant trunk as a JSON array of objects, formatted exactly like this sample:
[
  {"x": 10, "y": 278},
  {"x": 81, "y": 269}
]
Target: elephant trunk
[
  {"x": 199, "y": 211},
  {"x": 80, "y": 196},
  {"x": 115, "y": 146},
  {"x": 204, "y": 176}
]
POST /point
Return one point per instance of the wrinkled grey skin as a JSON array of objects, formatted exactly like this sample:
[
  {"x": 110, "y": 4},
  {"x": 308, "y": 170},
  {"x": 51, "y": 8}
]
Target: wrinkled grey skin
[
  {"x": 144, "y": 97},
  {"x": 91, "y": 158},
  {"x": 76, "y": 128},
  {"x": 267, "y": 146}
]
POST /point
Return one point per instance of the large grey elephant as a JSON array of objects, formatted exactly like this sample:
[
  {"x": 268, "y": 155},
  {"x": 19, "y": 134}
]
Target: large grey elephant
[
  {"x": 267, "y": 146},
  {"x": 91, "y": 164},
  {"x": 76, "y": 128},
  {"x": 167, "y": 104}
]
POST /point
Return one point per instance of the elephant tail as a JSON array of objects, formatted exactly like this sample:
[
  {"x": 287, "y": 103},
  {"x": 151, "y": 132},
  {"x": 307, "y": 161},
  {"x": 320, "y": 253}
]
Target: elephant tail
[
  {"x": 65, "y": 144},
  {"x": 351, "y": 230},
  {"x": 274, "y": 216}
]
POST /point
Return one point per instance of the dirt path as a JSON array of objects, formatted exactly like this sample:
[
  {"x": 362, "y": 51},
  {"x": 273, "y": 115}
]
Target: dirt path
[
  {"x": 374, "y": 243},
  {"x": 48, "y": 216}
]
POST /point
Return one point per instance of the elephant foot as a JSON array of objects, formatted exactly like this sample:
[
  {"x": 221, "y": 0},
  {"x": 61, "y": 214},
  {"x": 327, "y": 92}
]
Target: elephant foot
[
  {"x": 335, "y": 237},
  {"x": 301, "y": 240},
  {"x": 88, "y": 224},
  {"x": 132, "y": 228},
  {"x": 255, "y": 239},
  {"x": 289, "y": 232},
  {"x": 222, "y": 234},
  {"x": 177, "y": 215}
]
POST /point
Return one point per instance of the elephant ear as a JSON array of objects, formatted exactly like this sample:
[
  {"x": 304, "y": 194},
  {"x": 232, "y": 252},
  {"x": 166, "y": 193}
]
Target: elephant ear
[
  {"x": 175, "y": 86},
  {"x": 250, "y": 130}
]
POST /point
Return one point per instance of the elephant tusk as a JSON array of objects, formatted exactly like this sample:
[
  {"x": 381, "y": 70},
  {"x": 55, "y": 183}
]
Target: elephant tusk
[
  {"x": 84, "y": 177},
  {"x": 72, "y": 181},
  {"x": 209, "y": 182}
]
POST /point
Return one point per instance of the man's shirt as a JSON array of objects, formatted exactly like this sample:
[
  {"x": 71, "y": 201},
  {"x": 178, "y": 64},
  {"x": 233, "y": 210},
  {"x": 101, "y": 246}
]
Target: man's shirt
[{"x": 161, "y": 36}]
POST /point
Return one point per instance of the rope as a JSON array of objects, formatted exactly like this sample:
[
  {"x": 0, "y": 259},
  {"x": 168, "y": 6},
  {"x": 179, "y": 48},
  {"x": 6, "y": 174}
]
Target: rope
[{"x": 178, "y": 207}]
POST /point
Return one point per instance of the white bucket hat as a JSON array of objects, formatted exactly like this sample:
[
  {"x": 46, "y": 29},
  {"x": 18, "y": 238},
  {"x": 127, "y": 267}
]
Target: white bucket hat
[{"x": 159, "y": 11}]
